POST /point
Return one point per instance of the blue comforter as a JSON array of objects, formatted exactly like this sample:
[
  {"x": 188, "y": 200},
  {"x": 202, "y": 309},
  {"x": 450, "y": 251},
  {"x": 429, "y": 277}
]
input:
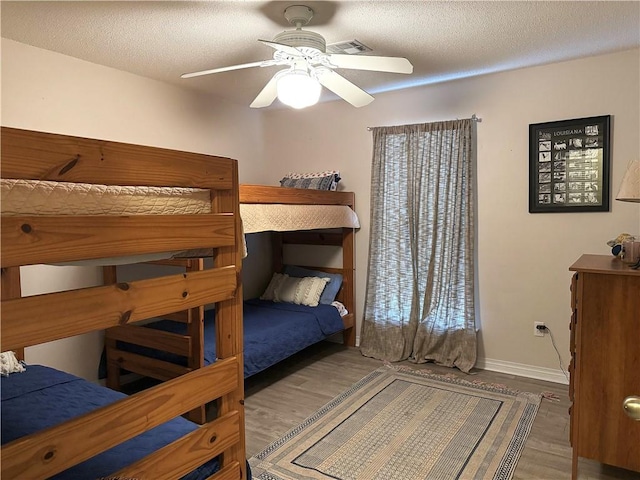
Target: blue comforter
[
  {"x": 43, "y": 397},
  {"x": 272, "y": 332}
]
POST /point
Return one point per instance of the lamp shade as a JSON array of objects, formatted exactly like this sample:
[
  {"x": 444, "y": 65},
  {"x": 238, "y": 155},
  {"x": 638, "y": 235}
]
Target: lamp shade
[
  {"x": 630, "y": 186},
  {"x": 297, "y": 89}
]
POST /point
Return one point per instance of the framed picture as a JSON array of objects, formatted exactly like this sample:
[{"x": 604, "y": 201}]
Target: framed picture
[{"x": 569, "y": 165}]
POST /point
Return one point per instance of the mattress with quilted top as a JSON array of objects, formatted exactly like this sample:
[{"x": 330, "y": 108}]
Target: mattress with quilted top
[{"x": 41, "y": 197}]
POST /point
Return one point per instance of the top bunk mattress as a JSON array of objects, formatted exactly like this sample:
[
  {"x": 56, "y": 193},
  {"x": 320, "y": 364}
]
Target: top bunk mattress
[
  {"x": 41, "y": 197},
  {"x": 286, "y": 218}
]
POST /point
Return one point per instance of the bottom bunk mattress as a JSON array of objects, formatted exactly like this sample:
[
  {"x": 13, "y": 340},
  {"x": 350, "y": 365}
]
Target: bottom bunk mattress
[
  {"x": 273, "y": 331},
  {"x": 42, "y": 397}
]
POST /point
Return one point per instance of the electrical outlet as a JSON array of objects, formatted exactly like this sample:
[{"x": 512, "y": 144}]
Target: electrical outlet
[{"x": 539, "y": 332}]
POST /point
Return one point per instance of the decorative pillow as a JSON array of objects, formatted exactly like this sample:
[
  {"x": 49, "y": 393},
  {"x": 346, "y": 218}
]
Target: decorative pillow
[
  {"x": 301, "y": 291},
  {"x": 322, "y": 183},
  {"x": 326, "y": 173},
  {"x": 10, "y": 364},
  {"x": 327, "y": 180},
  {"x": 331, "y": 290},
  {"x": 276, "y": 280}
]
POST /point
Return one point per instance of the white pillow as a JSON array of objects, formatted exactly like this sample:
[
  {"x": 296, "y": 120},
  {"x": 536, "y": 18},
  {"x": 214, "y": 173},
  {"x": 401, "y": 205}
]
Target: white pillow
[
  {"x": 301, "y": 291},
  {"x": 276, "y": 280},
  {"x": 286, "y": 290},
  {"x": 10, "y": 364}
]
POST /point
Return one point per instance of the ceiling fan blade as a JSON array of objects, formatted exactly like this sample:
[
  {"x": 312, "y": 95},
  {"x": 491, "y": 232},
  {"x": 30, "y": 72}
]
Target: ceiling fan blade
[
  {"x": 371, "y": 62},
  {"x": 223, "y": 69},
  {"x": 344, "y": 88},
  {"x": 267, "y": 95},
  {"x": 283, "y": 48}
]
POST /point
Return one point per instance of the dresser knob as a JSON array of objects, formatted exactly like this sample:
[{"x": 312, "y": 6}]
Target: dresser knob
[{"x": 631, "y": 406}]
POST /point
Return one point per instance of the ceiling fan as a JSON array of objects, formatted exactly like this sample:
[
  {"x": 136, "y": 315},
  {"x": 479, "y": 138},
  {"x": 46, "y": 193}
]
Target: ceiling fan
[{"x": 310, "y": 68}]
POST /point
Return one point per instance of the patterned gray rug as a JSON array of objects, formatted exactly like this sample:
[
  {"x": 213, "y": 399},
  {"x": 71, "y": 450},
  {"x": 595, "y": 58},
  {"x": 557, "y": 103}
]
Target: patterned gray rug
[{"x": 404, "y": 424}]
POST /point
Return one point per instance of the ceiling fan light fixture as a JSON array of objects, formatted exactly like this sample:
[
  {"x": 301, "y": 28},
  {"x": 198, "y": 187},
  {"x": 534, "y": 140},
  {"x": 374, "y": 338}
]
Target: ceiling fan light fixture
[
  {"x": 297, "y": 89},
  {"x": 311, "y": 67}
]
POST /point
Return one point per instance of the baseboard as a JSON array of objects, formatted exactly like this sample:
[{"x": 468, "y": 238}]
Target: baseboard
[
  {"x": 512, "y": 368},
  {"x": 522, "y": 370}
]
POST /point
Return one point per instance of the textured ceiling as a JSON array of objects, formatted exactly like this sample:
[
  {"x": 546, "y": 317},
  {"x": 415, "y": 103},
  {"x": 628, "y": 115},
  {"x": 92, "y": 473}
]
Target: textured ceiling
[{"x": 443, "y": 40}]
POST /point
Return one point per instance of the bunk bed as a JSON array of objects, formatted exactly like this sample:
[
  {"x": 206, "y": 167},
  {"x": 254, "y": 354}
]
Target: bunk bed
[
  {"x": 273, "y": 331},
  {"x": 58, "y": 425}
]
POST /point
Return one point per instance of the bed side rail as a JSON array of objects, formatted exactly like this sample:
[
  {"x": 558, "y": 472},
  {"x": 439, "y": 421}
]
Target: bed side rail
[
  {"x": 28, "y": 240},
  {"x": 145, "y": 366},
  {"x": 62, "y": 158},
  {"x": 97, "y": 308},
  {"x": 117, "y": 359},
  {"x": 229, "y": 472},
  {"x": 151, "y": 338},
  {"x": 215, "y": 436},
  {"x": 301, "y": 196},
  {"x": 45, "y": 453}
]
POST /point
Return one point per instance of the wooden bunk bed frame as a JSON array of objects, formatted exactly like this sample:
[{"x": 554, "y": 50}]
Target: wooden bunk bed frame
[
  {"x": 191, "y": 346},
  {"x": 261, "y": 194},
  {"x": 32, "y": 320}
]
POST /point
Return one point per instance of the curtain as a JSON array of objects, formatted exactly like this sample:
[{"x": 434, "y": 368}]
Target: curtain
[{"x": 419, "y": 301}]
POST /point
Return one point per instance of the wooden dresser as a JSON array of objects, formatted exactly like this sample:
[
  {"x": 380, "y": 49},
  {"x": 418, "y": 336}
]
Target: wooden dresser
[{"x": 605, "y": 361}]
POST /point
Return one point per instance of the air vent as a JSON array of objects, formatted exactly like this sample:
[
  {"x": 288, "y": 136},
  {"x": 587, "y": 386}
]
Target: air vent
[{"x": 351, "y": 47}]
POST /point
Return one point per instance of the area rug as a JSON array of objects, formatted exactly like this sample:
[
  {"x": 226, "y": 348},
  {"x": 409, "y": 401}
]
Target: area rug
[{"x": 405, "y": 424}]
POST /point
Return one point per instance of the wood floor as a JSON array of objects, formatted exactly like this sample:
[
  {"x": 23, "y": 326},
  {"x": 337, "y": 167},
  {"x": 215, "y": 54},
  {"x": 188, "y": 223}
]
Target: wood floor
[{"x": 283, "y": 396}]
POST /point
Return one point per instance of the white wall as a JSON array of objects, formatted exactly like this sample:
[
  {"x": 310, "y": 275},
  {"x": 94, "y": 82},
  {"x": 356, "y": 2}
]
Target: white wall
[
  {"x": 46, "y": 91},
  {"x": 523, "y": 258}
]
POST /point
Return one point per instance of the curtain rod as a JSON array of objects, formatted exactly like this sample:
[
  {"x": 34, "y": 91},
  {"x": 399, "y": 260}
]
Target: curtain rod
[{"x": 473, "y": 118}]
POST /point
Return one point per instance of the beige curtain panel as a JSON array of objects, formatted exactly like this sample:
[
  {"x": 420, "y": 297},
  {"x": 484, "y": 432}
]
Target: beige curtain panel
[{"x": 420, "y": 283}]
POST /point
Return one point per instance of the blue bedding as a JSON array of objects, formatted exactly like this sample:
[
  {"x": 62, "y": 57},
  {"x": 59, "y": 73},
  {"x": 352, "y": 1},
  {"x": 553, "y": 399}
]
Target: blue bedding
[
  {"x": 43, "y": 397},
  {"x": 272, "y": 332}
]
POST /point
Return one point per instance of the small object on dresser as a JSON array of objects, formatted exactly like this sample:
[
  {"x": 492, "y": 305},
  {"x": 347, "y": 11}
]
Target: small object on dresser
[
  {"x": 630, "y": 249},
  {"x": 616, "y": 244},
  {"x": 631, "y": 252}
]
